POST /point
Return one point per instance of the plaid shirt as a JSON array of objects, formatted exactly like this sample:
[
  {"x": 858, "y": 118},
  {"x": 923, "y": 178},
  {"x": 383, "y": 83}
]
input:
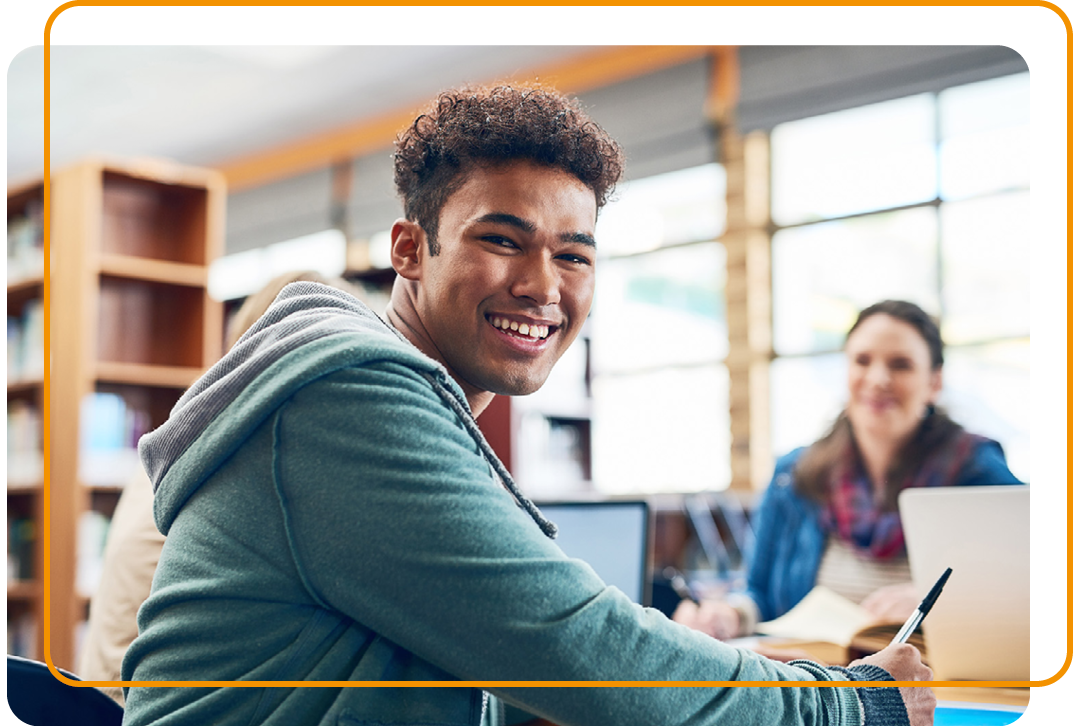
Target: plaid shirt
[{"x": 856, "y": 516}]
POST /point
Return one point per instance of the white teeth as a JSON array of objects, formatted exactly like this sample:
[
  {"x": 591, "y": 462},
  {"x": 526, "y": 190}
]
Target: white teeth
[{"x": 533, "y": 331}]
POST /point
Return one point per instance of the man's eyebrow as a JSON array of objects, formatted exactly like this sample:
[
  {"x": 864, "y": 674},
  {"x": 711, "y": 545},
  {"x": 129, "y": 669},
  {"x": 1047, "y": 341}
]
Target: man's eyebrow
[
  {"x": 509, "y": 219},
  {"x": 580, "y": 238},
  {"x": 512, "y": 220}
]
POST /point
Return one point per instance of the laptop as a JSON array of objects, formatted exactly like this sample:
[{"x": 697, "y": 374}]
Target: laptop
[
  {"x": 611, "y": 536},
  {"x": 979, "y": 629}
]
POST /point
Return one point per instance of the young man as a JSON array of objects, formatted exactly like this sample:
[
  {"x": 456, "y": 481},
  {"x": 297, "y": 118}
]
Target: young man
[{"x": 330, "y": 505}]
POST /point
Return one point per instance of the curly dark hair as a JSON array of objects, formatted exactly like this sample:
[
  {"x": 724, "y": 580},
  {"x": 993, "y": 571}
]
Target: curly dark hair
[{"x": 488, "y": 126}]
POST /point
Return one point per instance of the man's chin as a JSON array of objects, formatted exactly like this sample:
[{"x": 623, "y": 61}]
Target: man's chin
[
  {"x": 522, "y": 389},
  {"x": 520, "y": 385}
]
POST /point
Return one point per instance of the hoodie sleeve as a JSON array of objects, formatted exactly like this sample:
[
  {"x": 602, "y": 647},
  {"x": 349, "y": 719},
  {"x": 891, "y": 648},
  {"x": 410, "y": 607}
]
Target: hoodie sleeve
[{"x": 394, "y": 519}]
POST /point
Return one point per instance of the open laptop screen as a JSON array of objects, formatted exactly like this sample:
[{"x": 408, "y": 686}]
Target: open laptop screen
[
  {"x": 979, "y": 628},
  {"x": 613, "y": 537}
]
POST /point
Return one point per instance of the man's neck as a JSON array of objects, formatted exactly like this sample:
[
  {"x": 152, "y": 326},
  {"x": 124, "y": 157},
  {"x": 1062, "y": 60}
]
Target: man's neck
[{"x": 402, "y": 314}]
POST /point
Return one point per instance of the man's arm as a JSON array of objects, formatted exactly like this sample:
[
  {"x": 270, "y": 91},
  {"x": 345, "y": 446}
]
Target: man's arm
[{"x": 396, "y": 522}]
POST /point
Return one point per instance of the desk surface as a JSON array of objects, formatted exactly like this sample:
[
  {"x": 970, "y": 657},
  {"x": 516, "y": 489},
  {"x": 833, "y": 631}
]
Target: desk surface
[
  {"x": 951, "y": 700},
  {"x": 983, "y": 694}
]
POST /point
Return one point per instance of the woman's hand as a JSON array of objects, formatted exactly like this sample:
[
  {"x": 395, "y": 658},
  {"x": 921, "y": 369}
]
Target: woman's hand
[
  {"x": 892, "y": 603},
  {"x": 712, "y": 617}
]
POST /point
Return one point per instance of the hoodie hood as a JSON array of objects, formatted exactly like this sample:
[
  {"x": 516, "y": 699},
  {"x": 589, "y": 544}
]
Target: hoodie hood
[{"x": 309, "y": 331}]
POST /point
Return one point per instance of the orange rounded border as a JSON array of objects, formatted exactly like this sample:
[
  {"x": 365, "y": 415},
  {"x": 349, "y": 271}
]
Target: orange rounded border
[{"x": 577, "y": 684}]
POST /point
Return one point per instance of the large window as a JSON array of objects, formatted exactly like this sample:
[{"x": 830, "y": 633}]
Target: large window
[
  {"x": 659, "y": 387},
  {"x": 923, "y": 198}
]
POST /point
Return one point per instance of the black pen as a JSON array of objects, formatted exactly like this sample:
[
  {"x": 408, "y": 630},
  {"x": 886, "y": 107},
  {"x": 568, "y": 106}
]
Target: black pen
[
  {"x": 679, "y": 585},
  {"x": 920, "y": 612}
]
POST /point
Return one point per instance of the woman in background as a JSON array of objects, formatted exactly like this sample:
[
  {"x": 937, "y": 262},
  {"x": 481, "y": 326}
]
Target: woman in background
[{"x": 829, "y": 516}]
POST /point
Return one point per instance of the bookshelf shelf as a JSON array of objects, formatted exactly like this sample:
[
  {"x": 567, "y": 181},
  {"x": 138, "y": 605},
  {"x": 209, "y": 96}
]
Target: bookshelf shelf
[
  {"x": 24, "y": 590},
  {"x": 24, "y": 386},
  {"x": 28, "y": 285},
  {"x": 105, "y": 489},
  {"x": 24, "y": 487},
  {"x": 137, "y": 374},
  {"x": 151, "y": 270}
]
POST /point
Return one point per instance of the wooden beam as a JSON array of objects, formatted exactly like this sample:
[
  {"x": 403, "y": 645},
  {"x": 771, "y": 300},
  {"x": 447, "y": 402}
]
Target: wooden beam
[
  {"x": 607, "y": 66},
  {"x": 723, "y": 83},
  {"x": 581, "y": 73}
]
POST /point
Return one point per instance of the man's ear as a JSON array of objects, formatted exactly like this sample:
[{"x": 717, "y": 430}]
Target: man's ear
[{"x": 408, "y": 245}]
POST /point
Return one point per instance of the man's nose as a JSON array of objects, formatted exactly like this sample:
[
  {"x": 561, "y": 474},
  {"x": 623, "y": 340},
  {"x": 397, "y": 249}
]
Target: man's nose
[{"x": 537, "y": 279}]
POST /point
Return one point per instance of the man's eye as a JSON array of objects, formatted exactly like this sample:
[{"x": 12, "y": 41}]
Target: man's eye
[
  {"x": 499, "y": 241},
  {"x": 576, "y": 259}
]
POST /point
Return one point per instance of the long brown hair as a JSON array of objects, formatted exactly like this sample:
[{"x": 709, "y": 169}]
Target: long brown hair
[{"x": 816, "y": 468}]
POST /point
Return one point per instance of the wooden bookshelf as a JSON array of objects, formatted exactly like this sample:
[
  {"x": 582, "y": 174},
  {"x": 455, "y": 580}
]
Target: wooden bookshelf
[{"x": 130, "y": 322}]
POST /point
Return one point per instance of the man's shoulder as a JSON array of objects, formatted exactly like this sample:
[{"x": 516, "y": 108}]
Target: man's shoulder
[{"x": 315, "y": 327}]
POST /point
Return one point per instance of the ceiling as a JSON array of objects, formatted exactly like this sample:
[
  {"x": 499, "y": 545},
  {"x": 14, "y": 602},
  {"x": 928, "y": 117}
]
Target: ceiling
[{"x": 207, "y": 105}]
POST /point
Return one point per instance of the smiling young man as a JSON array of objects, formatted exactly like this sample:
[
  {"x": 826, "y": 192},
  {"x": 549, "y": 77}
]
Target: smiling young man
[
  {"x": 512, "y": 282},
  {"x": 333, "y": 512}
]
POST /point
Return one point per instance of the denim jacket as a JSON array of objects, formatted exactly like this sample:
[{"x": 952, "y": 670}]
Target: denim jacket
[{"x": 790, "y": 539}]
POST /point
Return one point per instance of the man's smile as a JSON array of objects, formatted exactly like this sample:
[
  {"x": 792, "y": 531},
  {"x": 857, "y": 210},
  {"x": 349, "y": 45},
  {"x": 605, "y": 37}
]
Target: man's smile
[{"x": 520, "y": 329}]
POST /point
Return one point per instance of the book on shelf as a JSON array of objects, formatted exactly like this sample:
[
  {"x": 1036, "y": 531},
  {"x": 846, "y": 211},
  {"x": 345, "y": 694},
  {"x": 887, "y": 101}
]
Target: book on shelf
[
  {"x": 22, "y": 535},
  {"x": 26, "y": 242},
  {"x": 833, "y": 629},
  {"x": 25, "y": 456},
  {"x": 26, "y": 343},
  {"x": 109, "y": 433}
]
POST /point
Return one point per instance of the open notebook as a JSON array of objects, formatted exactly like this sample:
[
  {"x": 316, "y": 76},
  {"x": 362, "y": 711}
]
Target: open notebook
[{"x": 832, "y": 628}]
